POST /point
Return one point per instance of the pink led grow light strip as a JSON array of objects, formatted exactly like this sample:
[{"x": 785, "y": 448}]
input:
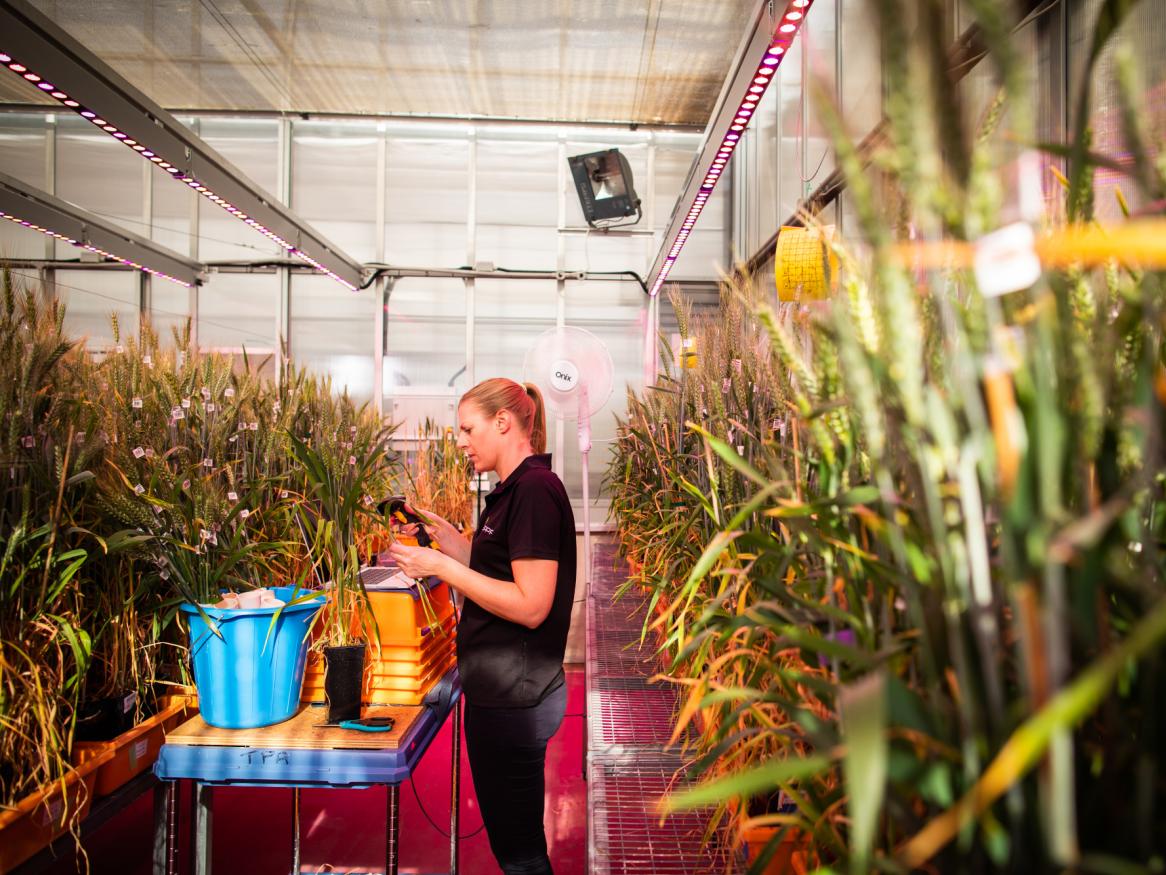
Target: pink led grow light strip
[
  {"x": 89, "y": 115},
  {"x": 35, "y": 227},
  {"x": 766, "y": 69}
]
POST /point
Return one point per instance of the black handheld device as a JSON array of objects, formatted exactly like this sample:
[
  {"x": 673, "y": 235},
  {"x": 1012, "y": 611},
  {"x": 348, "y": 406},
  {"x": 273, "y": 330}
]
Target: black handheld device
[{"x": 395, "y": 508}]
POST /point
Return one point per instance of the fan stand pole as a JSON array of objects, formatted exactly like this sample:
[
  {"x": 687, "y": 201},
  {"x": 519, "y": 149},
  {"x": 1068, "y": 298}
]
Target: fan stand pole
[
  {"x": 586, "y": 527},
  {"x": 584, "y": 423}
]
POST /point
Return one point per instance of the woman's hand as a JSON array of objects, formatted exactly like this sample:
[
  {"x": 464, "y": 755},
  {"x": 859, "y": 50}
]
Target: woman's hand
[
  {"x": 420, "y": 561},
  {"x": 449, "y": 539}
]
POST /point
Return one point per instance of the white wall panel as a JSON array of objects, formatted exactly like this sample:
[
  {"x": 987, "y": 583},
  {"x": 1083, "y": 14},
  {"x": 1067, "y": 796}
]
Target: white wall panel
[
  {"x": 252, "y": 145},
  {"x": 237, "y": 311},
  {"x": 426, "y": 345},
  {"x": 334, "y": 177},
  {"x": 427, "y": 201},
  {"x": 92, "y": 298}
]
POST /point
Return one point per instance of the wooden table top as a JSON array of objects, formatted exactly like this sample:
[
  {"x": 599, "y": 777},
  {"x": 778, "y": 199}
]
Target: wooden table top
[{"x": 304, "y": 731}]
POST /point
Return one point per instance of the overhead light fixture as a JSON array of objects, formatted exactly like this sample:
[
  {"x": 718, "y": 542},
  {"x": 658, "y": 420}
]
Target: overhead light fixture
[
  {"x": 758, "y": 59},
  {"x": 53, "y": 217},
  {"x": 35, "y": 49},
  {"x": 603, "y": 181}
]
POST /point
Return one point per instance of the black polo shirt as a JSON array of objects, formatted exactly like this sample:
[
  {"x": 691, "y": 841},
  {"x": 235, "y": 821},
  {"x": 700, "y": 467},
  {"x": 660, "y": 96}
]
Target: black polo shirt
[{"x": 527, "y": 516}]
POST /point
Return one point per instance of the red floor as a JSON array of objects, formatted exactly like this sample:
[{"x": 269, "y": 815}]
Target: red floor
[{"x": 343, "y": 830}]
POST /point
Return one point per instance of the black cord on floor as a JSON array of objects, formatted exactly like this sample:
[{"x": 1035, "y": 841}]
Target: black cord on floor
[{"x": 434, "y": 825}]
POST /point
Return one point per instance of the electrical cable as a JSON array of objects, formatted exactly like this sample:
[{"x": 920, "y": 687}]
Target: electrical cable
[
  {"x": 225, "y": 22},
  {"x": 481, "y": 826},
  {"x": 149, "y": 227},
  {"x": 441, "y": 831}
]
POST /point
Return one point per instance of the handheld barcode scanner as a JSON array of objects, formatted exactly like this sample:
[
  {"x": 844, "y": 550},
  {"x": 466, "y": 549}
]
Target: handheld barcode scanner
[{"x": 394, "y": 507}]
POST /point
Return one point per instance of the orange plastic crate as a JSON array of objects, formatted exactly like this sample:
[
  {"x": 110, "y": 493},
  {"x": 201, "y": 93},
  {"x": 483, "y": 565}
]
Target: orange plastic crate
[
  {"x": 439, "y": 659},
  {"x": 383, "y": 696},
  {"x": 44, "y": 815},
  {"x": 376, "y": 682},
  {"x": 414, "y": 650},
  {"x": 134, "y": 751},
  {"x": 400, "y": 615}
]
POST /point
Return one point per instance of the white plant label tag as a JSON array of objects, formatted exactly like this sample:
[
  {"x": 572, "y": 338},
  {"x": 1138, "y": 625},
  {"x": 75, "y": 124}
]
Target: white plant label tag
[
  {"x": 210, "y": 407},
  {"x": 352, "y": 460},
  {"x": 139, "y": 452},
  {"x": 254, "y": 426},
  {"x": 139, "y": 488},
  {"x": 564, "y": 375},
  {"x": 147, "y": 360},
  {"x": 128, "y": 702},
  {"x": 208, "y": 463},
  {"x": 136, "y": 404},
  {"x": 229, "y": 392},
  {"x": 139, "y": 751},
  {"x": 28, "y": 441},
  {"x": 149, "y": 452},
  {"x": 232, "y": 496},
  {"x": 244, "y": 513},
  {"x": 185, "y": 403},
  {"x": 1006, "y": 260}
]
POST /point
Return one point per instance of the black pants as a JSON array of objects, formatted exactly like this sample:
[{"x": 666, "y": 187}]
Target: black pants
[{"x": 507, "y": 749}]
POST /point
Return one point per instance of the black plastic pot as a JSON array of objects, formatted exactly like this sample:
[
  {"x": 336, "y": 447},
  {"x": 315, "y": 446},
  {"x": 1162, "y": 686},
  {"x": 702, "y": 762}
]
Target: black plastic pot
[
  {"x": 343, "y": 672},
  {"x": 106, "y": 718}
]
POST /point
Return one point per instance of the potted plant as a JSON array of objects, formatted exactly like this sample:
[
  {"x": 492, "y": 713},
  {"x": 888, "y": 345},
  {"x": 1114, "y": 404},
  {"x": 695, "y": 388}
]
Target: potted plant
[{"x": 339, "y": 468}]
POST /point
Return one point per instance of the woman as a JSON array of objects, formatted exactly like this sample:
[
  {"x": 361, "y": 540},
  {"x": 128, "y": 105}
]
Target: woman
[{"x": 518, "y": 580}]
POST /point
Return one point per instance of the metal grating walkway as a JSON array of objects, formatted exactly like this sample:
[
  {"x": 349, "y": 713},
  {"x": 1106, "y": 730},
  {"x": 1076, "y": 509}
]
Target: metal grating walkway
[{"x": 629, "y": 763}]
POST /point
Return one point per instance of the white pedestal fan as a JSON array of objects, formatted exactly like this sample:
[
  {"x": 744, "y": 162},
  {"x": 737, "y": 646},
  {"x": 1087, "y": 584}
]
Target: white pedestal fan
[{"x": 574, "y": 371}]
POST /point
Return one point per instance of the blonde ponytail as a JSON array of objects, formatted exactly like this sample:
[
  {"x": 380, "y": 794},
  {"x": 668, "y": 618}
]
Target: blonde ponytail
[{"x": 538, "y": 422}]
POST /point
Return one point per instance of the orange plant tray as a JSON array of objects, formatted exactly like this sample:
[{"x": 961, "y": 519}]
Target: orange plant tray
[
  {"x": 134, "y": 751},
  {"x": 400, "y": 615},
  {"x": 375, "y": 681},
  {"x": 400, "y": 618},
  {"x": 406, "y": 658},
  {"x": 791, "y": 856},
  {"x": 43, "y": 815}
]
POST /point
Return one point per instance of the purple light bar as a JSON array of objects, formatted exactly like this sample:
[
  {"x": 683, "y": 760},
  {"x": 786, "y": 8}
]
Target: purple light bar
[
  {"x": 791, "y": 20},
  {"x": 35, "y": 227},
  {"x": 175, "y": 170},
  {"x": 301, "y": 254}
]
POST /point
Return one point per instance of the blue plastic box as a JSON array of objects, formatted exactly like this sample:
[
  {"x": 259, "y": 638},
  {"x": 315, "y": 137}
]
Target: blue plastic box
[{"x": 248, "y": 678}]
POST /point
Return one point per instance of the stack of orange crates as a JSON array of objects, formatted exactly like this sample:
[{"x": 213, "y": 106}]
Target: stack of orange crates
[{"x": 415, "y": 650}]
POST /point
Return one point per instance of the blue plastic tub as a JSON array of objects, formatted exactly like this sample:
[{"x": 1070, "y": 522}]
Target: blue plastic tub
[{"x": 247, "y": 678}]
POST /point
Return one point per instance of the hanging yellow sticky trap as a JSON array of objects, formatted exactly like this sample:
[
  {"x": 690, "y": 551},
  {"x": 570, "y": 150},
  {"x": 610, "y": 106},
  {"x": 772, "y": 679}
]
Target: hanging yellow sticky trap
[
  {"x": 688, "y": 353},
  {"x": 805, "y": 268}
]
